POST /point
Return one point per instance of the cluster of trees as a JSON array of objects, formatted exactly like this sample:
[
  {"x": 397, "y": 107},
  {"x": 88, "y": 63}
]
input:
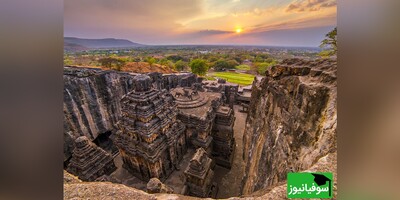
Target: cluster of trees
[
  {"x": 199, "y": 67},
  {"x": 329, "y": 44},
  {"x": 224, "y": 64},
  {"x": 112, "y": 62},
  {"x": 263, "y": 66},
  {"x": 173, "y": 62}
]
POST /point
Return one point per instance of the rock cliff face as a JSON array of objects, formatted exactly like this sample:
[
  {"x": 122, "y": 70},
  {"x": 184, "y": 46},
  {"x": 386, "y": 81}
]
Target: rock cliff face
[
  {"x": 291, "y": 122},
  {"x": 92, "y": 99},
  {"x": 91, "y": 102}
]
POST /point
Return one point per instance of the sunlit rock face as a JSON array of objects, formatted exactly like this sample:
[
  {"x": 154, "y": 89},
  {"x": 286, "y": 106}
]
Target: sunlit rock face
[{"x": 291, "y": 121}]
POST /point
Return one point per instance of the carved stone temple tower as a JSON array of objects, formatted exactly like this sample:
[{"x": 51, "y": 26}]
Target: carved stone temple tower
[
  {"x": 89, "y": 161},
  {"x": 150, "y": 139},
  {"x": 223, "y": 135},
  {"x": 199, "y": 175}
]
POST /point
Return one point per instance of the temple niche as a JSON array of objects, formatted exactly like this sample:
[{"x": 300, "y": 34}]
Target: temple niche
[
  {"x": 223, "y": 136},
  {"x": 199, "y": 175},
  {"x": 89, "y": 162},
  {"x": 151, "y": 140}
]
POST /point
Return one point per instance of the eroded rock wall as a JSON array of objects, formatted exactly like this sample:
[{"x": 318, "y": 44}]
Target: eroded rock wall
[
  {"x": 92, "y": 99},
  {"x": 291, "y": 121},
  {"x": 91, "y": 102}
]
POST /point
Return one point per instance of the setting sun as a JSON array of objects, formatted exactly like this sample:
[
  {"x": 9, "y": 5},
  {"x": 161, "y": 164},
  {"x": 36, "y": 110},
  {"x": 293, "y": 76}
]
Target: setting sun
[{"x": 238, "y": 30}]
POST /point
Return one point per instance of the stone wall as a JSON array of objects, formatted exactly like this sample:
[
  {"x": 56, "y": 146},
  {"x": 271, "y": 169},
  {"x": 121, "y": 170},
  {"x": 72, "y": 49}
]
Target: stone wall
[
  {"x": 291, "y": 121},
  {"x": 92, "y": 99},
  {"x": 91, "y": 102}
]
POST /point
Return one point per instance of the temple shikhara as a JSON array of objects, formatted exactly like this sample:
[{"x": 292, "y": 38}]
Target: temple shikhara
[
  {"x": 199, "y": 175},
  {"x": 90, "y": 162},
  {"x": 151, "y": 140},
  {"x": 164, "y": 124}
]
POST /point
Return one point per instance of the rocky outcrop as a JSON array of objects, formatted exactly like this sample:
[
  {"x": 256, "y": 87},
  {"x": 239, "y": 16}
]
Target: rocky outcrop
[
  {"x": 291, "y": 121},
  {"x": 156, "y": 186},
  {"x": 76, "y": 189},
  {"x": 91, "y": 102}
]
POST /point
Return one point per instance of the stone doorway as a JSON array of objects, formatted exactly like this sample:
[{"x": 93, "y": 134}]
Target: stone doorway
[{"x": 104, "y": 141}]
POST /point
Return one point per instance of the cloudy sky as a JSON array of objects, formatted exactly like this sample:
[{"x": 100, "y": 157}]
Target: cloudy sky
[{"x": 241, "y": 22}]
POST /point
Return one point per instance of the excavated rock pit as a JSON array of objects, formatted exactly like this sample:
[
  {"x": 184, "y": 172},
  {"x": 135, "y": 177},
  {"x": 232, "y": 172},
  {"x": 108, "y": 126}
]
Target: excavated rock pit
[{"x": 290, "y": 126}]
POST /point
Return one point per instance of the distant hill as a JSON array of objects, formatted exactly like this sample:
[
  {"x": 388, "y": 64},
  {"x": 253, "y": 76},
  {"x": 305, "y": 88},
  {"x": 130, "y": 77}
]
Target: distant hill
[
  {"x": 99, "y": 43},
  {"x": 74, "y": 47}
]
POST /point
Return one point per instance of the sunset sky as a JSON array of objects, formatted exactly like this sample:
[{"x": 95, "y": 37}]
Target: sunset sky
[{"x": 241, "y": 22}]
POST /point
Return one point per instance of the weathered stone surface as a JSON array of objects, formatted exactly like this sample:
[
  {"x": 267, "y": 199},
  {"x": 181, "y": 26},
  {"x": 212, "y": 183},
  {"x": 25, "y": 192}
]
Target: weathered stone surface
[
  {"x": 91, "y": 103},
  {"x": 229, "y": 91},
  {"x": 199, "y": 175},
  {"x": 69, "y": 178},
  {"x": 197, "y": 111},
  {"x": 92, "y": 100},
  {"x": 90, "y": 162},
  {"x": 104, "y": 190},
  {"x": 291, "y": 121},
  {"x": 156, "y": 186},
  {"x": 150, "y": 139},
  {"x": 223, "y": 139}
]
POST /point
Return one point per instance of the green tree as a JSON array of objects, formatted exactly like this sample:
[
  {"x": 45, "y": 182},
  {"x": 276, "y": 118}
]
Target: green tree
[
  {"x": 199, "y": 66},
  {"x": 330, "y": 43},
  {"x": 163, "y": 61},
  {"x": 106, "y": 62},
  {"x": 220, "y": 65},
  {"x": 68, "y": 61},
  {"x": 262, "y": 67},
  {"x": 181, "y": 65},
  {"x": 112, "y": 62},
  {"x": 232, "y": 64},
  {"x": 150, "y": 60},
  {"x": 170, "y": 64},
  {"x": 175, "y": 58}
]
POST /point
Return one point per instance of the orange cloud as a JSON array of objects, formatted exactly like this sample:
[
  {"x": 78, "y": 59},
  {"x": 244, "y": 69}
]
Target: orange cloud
[{"x": 310, "y": 5}]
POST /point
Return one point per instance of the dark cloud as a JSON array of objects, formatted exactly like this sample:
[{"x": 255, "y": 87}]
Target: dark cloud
[{"x": 310, "y": 5}]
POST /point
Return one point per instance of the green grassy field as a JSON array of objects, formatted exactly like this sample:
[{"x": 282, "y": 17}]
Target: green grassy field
[
  {"x": 233, "y": 77},
  {"x": 242, "y": 67}
]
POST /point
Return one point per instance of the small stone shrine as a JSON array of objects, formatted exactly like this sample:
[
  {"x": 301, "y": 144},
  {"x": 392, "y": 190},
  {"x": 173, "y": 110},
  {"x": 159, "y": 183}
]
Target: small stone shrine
[
  {"x": 199, "y": 175},
  {"x": 89, "y": 162}
]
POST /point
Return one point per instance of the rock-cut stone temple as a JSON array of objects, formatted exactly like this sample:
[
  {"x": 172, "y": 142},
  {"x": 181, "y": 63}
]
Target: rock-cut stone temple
[
  {"x": 150, "y": 139},
  {"x": 89, "y": 162}
]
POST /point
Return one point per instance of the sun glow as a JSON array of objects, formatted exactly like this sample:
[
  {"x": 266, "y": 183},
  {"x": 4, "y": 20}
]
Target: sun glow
[{"x": 238, "y": 30}]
